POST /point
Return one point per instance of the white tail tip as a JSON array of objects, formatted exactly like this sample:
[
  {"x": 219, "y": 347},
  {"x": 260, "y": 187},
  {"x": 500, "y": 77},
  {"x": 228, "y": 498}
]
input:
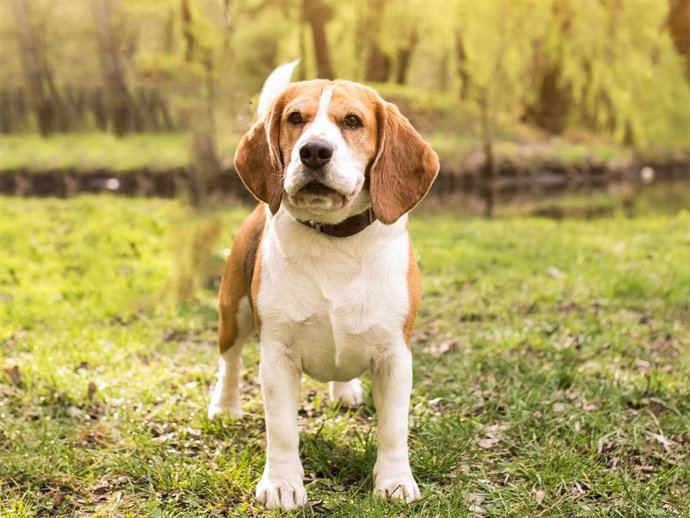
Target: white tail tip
[{"x": 275, "y": 84}]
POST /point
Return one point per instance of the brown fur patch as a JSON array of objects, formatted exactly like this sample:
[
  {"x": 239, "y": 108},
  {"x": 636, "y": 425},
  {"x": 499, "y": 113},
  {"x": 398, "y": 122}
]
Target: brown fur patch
[
  {"x": 240, "y": 273},
  {"x": 414, "y": 288}
]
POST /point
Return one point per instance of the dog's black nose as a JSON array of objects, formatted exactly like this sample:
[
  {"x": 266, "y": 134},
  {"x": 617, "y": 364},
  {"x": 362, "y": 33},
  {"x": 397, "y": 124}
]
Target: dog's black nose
[{"x": 316, "y": 153}]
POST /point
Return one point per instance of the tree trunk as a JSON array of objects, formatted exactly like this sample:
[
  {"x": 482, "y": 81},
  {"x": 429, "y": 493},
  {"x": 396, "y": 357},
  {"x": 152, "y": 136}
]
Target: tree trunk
[
  {"x": 550, "y": 112},
  {"x": 378, "y": 64},
  {"x": 188, "y": 32},
  {"x": 551, "y": 109},
  {"x": 118, "y": 97},
  {"x": 317, "y": 14},
  {"x": 229, "y": 26},
  {"x": 678, "y": 23},
  {"x": 461, "y": 57},
  {"x": 34, "y": 71},
  {"x": 488, "y": 171},
  {"x": 405, "y": 58}
]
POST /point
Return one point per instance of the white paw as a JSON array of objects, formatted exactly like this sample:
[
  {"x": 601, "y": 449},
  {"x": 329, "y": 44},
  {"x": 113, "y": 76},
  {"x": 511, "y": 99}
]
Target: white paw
[
  {"x": 348, "y": 394},
  {"x": 234, "y": 411},
  {"x": 396, "y": 483},
  {"x": 281, "y": 494}
]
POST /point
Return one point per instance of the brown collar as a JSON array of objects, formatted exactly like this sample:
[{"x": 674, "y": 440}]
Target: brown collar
[{"x": 349, "y": 227}]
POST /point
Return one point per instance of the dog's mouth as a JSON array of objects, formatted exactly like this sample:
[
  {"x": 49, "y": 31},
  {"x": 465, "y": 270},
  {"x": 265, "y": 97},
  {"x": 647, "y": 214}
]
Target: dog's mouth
[
  {"x": 318, "y": 195},
  {"x": 319, "y": 189}
]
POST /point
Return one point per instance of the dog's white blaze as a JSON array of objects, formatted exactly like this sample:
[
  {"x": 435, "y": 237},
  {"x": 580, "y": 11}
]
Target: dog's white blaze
[
  {"x": 345, "y": 172},
  {"x": 324, "y": 103}
]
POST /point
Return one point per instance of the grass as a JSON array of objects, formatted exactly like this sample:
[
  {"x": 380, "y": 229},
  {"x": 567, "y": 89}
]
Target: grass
[
  {"x": 89, "y": 151},
  {"x": 551, "y": 372}
]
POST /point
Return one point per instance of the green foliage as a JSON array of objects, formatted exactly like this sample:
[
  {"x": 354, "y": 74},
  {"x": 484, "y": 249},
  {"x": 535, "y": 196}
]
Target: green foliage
[
  {"x": 613, "y": 59},
  {"x": 551, "y": 373}
]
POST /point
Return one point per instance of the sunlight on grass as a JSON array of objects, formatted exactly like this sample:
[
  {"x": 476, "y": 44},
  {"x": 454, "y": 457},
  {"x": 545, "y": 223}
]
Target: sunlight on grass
[{"x": 551, "y": 372}]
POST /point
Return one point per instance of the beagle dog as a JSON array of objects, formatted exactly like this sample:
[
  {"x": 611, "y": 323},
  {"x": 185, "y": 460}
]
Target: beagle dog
[{"x": 323, "y": 269}]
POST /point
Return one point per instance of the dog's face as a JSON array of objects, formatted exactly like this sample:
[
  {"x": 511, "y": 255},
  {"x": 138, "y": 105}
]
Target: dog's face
[{"x": 331, "y": 149}]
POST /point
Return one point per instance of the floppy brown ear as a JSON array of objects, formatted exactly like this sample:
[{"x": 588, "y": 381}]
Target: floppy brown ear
[
  {"x": 258, "y": 160},
  {"x": 404, "y": 168}
]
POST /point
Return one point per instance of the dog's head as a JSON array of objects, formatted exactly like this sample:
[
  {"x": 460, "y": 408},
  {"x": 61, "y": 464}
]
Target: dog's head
[{"x": 331, "y": 149}]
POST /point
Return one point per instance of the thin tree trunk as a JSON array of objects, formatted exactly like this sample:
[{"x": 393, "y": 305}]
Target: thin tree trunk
[
  {"x": 229, "y": 26},
  {"x": 111, "y": 67},
  {"x": 34, "y": 70},
  {"x": 302, "y": 70},
  {"x": 461, "y": 57},
  {"x": 488, "y": 171},
  {"x": 168, "y": 39},
  {"x": 188, "y": 32},
  {"x": 317, "y": 14},
  {"x": 405, "y": 58},
  {"x": 378, "y": 64},
  {"x": 551, "y": 109}
]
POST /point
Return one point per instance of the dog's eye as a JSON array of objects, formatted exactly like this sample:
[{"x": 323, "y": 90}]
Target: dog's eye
[
  {"x": 352, "y": 121},
  {"x": 295, "y": 118}
]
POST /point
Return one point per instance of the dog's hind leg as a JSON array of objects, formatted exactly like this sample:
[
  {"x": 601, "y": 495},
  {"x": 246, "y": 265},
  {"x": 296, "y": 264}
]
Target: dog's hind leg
[
  {"x": 236, "y": 320},
  {"x": 348, "y": 393},
  {"x": 226, "y": 394}
]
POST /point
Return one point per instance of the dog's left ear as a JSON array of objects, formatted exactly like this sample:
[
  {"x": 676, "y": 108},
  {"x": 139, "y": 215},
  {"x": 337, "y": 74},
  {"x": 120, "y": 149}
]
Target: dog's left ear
[
  {"x": 404, "y": 168},
  {"x": 258, "y": 160}
]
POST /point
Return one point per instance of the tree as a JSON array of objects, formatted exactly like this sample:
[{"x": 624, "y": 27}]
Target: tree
[
  {"x": 37, "y": 73},
  {"x": 378, "y": 63},
  {"x": 113, "y": 73},
  {"x": 317, "y": 14},
  {"x": 551, "y": 106},
  {"x": 678, "y": 23}
]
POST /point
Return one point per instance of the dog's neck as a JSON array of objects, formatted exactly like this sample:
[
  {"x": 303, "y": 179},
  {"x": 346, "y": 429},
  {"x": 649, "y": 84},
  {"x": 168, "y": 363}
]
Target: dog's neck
[{"x": 346, "y": 228}]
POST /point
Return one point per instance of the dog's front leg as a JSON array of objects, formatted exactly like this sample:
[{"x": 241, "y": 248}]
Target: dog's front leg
[
  {"x": 281, "y": 484},
  {"x": 392, "y": 384}
]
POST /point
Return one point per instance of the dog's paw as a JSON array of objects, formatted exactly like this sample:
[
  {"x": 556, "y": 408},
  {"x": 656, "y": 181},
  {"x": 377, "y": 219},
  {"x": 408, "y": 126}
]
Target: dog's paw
[
  {"x": 281, "y": 494},
  {"x": 403, "y": 488},
  {"x": 395, "y": 482},
  {"x": 348, "y": 394},
  {"x": 234, "y": 411}
]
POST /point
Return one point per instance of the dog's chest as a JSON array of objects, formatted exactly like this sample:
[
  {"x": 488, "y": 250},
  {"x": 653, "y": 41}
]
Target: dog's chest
[{"x": 335, "y": 303}]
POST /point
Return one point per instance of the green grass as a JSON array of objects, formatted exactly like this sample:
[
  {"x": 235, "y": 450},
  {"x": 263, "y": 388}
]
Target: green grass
[
  {"x": 551, "y": 372},
  {"x": 89, "y": 151}
]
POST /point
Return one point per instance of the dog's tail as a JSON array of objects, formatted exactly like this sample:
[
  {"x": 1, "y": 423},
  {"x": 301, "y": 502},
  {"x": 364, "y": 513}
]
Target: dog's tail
[{"x": 275, "y": 84}]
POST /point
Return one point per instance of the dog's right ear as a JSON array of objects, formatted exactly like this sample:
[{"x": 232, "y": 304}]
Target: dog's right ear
[{"x": 258, "y": 160}]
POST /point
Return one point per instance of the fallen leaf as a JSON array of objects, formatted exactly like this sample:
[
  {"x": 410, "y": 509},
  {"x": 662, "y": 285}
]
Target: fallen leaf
[
  {"x": 14, "y": 374},
  {"x": 643, "y": 365},
  {"x": 474, "y": 498},
  {"x": 91, "y": 391},
  {"x": 442, "y": 348},
  {"x": 57, "y": 497},
  {"x": 538, "y": 495},
  {"x": 74, "y": 411},
  {"x": 555, "y": 272},
  {"x": 558, "y": 407},
  {"x": 664, "y": 441},
  {"x": 489, "y": 442}
]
